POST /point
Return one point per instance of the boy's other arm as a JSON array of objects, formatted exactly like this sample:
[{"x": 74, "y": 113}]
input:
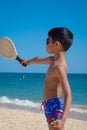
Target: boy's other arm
[
  {"x": 38, "y": 60},
  {"x": 62, "y": 77}
]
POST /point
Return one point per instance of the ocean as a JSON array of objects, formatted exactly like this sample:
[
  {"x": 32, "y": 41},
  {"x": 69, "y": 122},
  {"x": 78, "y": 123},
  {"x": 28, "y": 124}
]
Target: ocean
[{"x": 26, "y": 89}]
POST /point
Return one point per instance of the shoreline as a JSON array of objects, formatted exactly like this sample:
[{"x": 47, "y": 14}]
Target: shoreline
[{"x": 71, "y": 115}]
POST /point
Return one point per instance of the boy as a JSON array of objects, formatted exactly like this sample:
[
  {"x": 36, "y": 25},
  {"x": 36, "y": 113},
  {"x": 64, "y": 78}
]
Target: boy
[{"x": 56, "y": 83}]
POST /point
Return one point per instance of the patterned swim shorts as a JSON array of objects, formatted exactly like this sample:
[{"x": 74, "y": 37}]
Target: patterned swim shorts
[{"x": 53, "y": 109}]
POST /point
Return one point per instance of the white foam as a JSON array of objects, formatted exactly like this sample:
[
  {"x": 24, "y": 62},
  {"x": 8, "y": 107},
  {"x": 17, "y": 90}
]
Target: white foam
[
  {"x": 78, "y": 110},
  {"x": 29, "y": 103},
  {"x": 5, "y": 99}
]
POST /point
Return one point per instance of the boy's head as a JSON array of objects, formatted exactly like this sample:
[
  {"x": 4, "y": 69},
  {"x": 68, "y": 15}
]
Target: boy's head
[{"x": 63, "y": 35}]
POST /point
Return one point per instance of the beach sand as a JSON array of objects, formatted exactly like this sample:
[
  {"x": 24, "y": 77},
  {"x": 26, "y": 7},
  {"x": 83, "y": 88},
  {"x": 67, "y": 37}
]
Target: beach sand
[{"x": 11, "y": 119}]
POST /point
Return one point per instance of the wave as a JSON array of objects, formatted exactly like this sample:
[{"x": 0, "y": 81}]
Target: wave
[
  {"x": 19, "y": 102},
  {"x": 79, "y": 108},
  {"x": 4, "y": 99}
]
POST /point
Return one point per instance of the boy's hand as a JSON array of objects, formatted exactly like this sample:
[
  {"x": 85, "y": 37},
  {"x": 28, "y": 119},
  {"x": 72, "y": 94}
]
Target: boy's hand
[
  {"x": 59, "y": 124},
  {"x": 24, "y": 63}
]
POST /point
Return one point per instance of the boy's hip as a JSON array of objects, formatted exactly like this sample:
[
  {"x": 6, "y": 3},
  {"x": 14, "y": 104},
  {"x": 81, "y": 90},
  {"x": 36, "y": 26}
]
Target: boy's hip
[{"x": 53, "y": 109}]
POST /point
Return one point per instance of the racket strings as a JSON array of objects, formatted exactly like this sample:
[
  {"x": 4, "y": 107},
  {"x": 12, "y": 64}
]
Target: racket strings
[{"x": 7, "y": 50}]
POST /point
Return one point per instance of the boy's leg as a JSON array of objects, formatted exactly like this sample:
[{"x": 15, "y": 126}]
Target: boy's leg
[{"x": 51, "y": 128}]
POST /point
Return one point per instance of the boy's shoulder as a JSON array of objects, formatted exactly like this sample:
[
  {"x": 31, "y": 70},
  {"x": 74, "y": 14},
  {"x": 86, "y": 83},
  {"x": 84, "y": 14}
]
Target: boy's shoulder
[{"x": 61, "y": 68}]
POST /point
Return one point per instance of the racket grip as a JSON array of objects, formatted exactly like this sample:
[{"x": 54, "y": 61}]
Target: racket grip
[{"x": 20, "y": 60}]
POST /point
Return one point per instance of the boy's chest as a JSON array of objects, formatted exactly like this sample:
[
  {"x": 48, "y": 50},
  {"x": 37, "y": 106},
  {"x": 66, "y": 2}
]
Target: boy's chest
[
  {"x": 51, "y": 71},
  {"x": 51, "y": 76}
]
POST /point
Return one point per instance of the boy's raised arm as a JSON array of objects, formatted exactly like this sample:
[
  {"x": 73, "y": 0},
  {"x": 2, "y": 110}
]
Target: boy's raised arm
[{"x": 37, "y": 60}]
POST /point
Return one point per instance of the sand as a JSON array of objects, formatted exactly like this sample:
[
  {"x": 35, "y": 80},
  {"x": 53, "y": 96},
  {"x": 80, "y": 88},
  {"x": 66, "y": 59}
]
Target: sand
[{"x": 11, "y": 119}]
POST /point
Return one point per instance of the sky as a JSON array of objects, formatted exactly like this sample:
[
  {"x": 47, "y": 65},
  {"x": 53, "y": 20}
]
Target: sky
[{"x": 27, "y": 23}]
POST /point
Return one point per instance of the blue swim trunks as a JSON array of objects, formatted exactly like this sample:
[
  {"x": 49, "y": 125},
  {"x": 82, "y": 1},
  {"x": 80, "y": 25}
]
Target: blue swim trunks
[{"x": 53, "y": 109}]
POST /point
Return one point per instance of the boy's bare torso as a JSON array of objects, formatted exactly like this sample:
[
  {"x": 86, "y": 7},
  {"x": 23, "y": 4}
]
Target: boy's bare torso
[{"x": 52, "y": 87}]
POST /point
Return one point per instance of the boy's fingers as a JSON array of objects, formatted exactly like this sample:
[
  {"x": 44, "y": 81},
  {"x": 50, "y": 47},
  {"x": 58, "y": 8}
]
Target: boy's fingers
[
  {"x": 23, "y": 61},
  {"x": 24, "y": 64},
  {"x": 54, "y": 123}
]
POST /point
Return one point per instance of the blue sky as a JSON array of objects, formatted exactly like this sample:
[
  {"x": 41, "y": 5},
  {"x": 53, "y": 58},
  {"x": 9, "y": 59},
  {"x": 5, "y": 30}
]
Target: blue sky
[{"x": 27, "y": 23}]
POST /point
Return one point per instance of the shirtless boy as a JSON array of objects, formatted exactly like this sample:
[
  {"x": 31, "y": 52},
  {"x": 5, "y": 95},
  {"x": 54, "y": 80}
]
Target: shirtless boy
[{"x": 56, "y": 83}]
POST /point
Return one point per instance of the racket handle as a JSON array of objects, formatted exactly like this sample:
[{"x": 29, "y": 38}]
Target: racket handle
[{"x": 20, "y": 60}]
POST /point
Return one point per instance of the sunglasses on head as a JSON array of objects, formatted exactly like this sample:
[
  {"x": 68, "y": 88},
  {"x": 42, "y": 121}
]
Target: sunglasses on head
[{"x": 47, "y": 41}]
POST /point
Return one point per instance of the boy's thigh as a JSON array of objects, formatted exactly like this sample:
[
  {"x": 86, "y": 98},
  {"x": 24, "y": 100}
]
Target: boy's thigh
[{"x": 51, "y": 128}]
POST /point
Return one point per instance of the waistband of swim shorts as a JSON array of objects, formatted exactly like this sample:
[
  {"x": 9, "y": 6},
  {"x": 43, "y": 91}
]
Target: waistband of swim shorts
[{"x": 43, "y": 102}]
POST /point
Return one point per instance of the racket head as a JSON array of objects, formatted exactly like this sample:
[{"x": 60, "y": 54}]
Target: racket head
[{"x": 7, "y": 48}]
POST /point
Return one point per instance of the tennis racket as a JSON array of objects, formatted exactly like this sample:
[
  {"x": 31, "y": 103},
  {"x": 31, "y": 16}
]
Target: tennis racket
[{"x": 8, "y": 50}]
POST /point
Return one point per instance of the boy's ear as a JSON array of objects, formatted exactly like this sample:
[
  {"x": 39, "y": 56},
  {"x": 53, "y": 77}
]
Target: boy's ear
[{"x": 58, "y": 43}]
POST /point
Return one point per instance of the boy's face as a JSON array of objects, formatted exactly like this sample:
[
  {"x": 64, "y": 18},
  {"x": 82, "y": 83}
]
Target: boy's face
[{"x": 50, "y": 45}]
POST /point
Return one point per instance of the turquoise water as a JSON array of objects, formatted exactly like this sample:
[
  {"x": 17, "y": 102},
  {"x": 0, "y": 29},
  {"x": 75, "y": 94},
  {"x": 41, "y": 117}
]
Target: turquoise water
[
  {"x": 24, "y": 88},
  {"x": 78, "y": 83}
]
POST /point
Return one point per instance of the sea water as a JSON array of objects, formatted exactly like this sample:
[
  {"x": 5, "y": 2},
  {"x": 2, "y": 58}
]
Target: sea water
[{"x": 26, "y": 89}]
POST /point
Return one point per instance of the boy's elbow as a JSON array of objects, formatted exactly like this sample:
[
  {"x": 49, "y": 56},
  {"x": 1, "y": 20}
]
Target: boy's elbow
[{"x": 68, "y": 95}]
